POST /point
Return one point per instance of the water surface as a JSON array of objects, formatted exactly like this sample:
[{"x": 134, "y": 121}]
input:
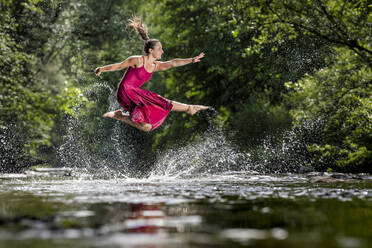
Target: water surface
[{"x": 230, "y": 210}]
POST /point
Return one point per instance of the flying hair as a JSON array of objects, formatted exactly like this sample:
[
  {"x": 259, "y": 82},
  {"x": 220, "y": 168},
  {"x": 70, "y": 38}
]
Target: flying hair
[{"x": 139, "y": 27}]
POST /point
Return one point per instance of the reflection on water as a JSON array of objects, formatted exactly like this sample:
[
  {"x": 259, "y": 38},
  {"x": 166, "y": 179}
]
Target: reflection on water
[
  {"x": 230, "y": 210},
  {"x": 145, "y": 219}
]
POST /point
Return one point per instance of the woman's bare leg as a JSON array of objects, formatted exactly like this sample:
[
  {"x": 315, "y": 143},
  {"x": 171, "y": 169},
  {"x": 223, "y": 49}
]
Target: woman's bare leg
[
  {"x": 118, "y": 115},
  {"x": 190, "y": 109}
]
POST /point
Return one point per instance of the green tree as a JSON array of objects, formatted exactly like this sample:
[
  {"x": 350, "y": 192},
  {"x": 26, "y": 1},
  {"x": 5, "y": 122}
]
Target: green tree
[
  {"x": 28, "y": 111},
  {"x": 342, "y": 23},
  {"x": 338, "y": 98},
  {"x": 245, "y": 88}
]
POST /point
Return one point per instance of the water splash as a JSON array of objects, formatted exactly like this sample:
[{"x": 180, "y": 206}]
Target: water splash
[
  {"x": 77, "y": 151},
  {"x": 287, "y": 152},
  {"x": 121, "y": 149},
  {"x": 212, "y": 154},
  {"x": 13, "y": 158}
]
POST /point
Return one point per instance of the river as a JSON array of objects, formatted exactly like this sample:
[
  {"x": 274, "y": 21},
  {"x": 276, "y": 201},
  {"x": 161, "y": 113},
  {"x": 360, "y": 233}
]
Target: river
[{"x": 232, "y": 209}]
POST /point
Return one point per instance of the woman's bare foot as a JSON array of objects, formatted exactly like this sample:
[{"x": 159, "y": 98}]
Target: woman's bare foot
[
  {"x": 193, "y": 109},
  {"x": 112, "y": 114},
  {"x": 109, "y": 114},
  {"x": 117, "y": 114}
]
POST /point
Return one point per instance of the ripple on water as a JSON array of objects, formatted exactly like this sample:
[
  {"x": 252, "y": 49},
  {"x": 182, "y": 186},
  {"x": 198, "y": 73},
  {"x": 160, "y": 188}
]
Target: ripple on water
[
  {"x": 176, "y": 191},
  {"x": 217, "y": 209}
]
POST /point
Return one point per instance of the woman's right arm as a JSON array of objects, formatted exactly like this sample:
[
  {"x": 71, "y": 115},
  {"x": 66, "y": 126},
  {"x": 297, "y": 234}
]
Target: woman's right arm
[{"x": 131, "y": 61}]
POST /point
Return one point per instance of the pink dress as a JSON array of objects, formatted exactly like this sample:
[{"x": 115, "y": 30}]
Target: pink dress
[{"x": 143, "y": 105}]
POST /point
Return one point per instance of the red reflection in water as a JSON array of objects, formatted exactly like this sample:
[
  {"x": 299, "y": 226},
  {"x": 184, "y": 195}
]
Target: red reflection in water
[{"x": 146, "y": 218}]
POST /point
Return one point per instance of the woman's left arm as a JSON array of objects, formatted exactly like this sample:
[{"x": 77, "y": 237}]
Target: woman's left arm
[{"x": 162, "y": 66}]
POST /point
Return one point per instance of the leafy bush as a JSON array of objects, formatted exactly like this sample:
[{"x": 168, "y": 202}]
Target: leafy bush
[{"x": 341, "y": 97}]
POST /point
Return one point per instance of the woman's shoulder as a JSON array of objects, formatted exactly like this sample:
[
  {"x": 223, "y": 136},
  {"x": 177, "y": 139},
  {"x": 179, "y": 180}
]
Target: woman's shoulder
[{"x": 136, "y": 60}]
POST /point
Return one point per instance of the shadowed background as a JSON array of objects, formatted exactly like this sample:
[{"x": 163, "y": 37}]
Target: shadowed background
[{"x": 290, "y": 81}]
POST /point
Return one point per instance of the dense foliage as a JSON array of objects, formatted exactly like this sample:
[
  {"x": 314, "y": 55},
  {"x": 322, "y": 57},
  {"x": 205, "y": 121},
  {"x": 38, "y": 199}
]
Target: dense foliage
[
  {"x": 31, "y": 103},
  {"x": 270, "y": 66}
]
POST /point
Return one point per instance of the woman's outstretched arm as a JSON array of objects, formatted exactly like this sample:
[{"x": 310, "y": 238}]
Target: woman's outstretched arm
[
  {"x": 131, "y": 61},
  {"x": 162, "y": 66}
]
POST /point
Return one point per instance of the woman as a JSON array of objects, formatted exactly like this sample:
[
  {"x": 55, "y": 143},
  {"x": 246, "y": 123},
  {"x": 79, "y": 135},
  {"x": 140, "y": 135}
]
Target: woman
[{"x": 147, "y": 110}]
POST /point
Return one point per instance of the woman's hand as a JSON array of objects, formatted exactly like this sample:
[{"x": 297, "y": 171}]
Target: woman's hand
[
  {"x": 98, "y": 71},
  {"x": 197, "y": 58}
]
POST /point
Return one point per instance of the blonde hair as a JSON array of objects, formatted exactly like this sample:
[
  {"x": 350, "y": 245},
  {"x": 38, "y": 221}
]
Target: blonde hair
[
  {"x": 137, "y": 24},
  {"x": 139, "y": 27}
]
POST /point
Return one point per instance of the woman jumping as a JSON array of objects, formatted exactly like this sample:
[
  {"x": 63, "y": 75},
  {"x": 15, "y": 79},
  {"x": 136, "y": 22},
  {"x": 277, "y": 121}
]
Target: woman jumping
[{"x": 147, "y": 110}]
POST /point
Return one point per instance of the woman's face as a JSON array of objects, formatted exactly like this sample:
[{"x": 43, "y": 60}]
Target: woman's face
[{"x": 157, "y": 51}]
